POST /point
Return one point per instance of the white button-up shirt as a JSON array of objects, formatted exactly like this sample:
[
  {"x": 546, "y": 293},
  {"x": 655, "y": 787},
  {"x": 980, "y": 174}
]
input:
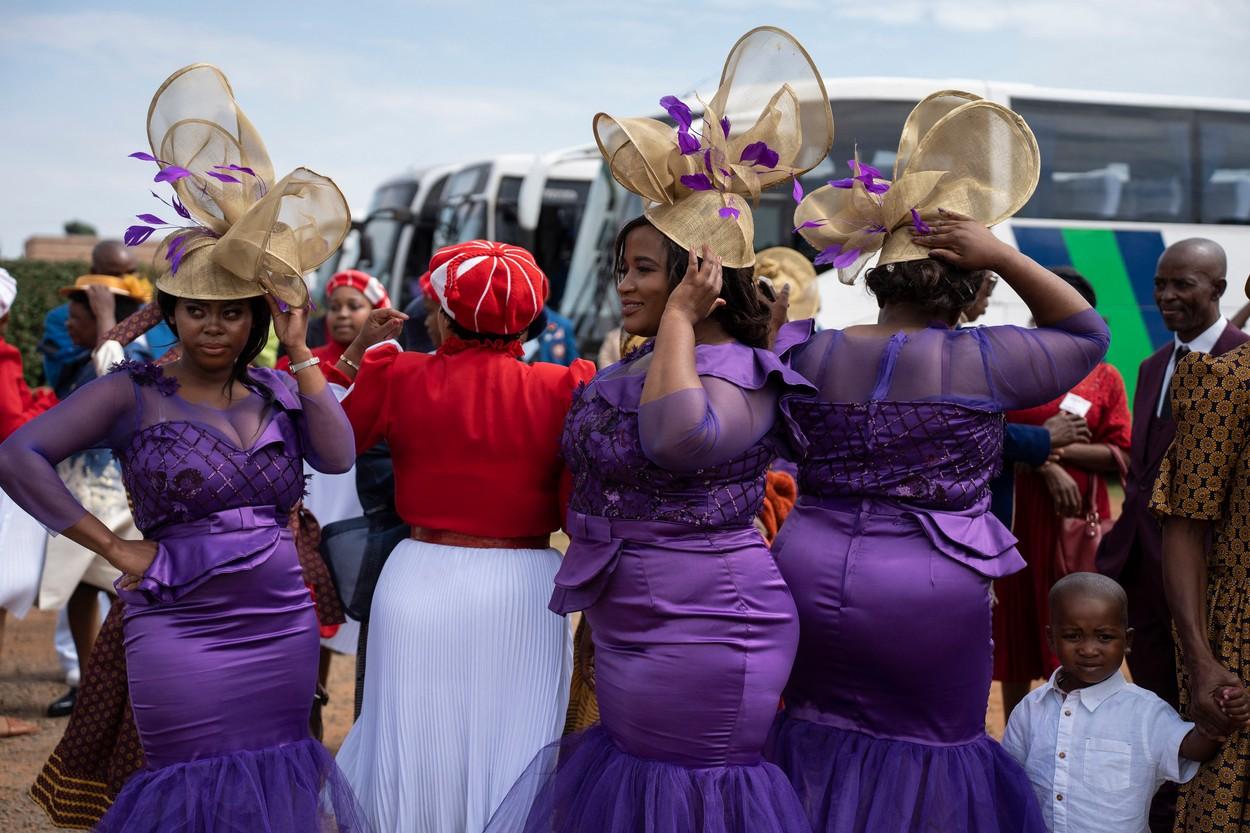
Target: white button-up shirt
[
  {"x": 1204, "y": 343},
  {"x": 1096, "y": 756}
]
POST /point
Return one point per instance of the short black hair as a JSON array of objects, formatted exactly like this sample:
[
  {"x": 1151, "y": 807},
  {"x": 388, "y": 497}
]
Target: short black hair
[
  {"x": 1088, "y": 585},
  {"x": 1078, "y": 282}
]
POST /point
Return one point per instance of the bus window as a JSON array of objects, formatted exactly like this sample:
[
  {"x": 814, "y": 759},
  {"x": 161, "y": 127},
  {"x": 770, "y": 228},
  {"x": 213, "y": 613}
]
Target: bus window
[
  {"x": 1224, "y": 144},
  {"x": 1107, "y": 162},
  {"x": 507, "y": 223},
  {"x": 873, "y": 127},
  {"x": 564, "y": 202}
]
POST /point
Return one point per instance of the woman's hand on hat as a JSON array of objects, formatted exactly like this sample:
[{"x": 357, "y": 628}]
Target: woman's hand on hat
[
  {"x": 698, "y": 294},
  {"x": 291, "y": 328},
  {"x": 382, "y": 324},
  {"x": 962, "y": 241}
]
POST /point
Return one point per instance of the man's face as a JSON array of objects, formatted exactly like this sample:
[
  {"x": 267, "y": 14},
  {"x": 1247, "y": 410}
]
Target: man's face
[{"x": 1187, "y": 298}]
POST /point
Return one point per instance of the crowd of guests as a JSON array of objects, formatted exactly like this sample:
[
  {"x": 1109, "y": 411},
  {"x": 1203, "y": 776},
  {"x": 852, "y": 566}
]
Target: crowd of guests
[{"x": 799, "y": 557}]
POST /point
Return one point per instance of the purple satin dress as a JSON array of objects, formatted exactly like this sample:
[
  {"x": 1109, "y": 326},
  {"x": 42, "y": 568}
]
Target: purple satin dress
[
  {"x": 694, "y": 630},
  {"x": 221, "y": 638},
  {"x": 890, "y": 552}
]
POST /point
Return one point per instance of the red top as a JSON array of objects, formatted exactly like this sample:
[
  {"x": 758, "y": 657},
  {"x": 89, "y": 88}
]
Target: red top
[
  {"x": 329, "y": 354},
  {"x": 474, "y": 435},
  {"x": 18, "y": 403}
]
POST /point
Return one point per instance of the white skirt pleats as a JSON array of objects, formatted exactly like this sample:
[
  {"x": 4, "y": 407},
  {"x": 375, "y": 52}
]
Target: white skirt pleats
[
  {"x": 22, "y": 543},
  {"x": 466, "y": 678}
]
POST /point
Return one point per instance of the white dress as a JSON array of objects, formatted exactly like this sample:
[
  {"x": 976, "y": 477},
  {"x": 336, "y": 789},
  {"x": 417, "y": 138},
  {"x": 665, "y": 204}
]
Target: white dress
[
  {"x": 467, "y": 678},
  {"x": 22, "y": 542}
]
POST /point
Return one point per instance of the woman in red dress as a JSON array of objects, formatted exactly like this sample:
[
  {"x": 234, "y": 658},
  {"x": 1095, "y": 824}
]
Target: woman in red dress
[
  {"x": 19, "y": 579},
  {"x": 1044, "y": 497},
  {"x": 350, "y": 296}
]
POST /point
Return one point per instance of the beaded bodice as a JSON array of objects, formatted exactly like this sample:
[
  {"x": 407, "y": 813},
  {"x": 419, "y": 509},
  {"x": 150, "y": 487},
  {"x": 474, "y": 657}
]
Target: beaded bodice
[
  {"x": 613, "y": 478},
  {"x": 937, "y": 455}
]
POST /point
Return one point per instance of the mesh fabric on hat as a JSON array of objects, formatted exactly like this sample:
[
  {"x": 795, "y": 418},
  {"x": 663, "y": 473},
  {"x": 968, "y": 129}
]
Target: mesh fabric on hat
[
  {"x": 770, "y": 92},
  {"x": 260, "y": 236},
  {"x": 956, "y": 152}
]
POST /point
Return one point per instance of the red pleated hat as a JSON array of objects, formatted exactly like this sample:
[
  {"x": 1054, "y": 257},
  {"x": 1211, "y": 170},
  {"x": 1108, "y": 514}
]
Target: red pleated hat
[{"x": 488, "y": 287}]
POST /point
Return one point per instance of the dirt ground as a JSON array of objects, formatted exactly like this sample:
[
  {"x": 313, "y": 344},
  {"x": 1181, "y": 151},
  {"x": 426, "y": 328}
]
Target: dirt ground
[{"x": 30, "y": 678}]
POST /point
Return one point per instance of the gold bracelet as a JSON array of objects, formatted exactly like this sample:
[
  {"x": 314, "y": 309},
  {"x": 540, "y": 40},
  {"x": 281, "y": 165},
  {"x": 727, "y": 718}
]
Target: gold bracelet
[{"x": 350, "y": 363}]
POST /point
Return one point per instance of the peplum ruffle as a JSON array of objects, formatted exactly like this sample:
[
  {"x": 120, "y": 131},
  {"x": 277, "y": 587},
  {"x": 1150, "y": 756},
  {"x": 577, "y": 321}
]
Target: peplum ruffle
[{"x": 190, "y": 554}]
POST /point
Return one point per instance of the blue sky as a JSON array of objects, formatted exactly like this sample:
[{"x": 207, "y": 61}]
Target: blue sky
[{"x": 362, "y": 90}]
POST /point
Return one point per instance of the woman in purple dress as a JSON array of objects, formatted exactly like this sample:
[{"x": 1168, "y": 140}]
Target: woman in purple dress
[
  {"x": 891, "y": 549},
  {"x": 220, "y": 632},
  {"x": 694, "y": 630}
]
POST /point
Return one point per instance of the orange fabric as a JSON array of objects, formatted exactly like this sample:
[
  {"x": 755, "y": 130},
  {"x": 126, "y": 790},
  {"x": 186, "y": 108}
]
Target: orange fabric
[
  {"x": 18, "y": 403},
  {"x": 474, "y": 435},
  {"x": 780, "y": 493}
]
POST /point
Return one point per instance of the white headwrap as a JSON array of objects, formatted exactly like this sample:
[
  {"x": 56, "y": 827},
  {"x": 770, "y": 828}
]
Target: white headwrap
[{"x": 8, "y": 292}]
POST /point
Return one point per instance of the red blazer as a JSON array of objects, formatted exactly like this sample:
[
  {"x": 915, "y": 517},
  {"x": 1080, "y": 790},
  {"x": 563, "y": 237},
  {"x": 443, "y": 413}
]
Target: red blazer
[
  {"x": 1137, "y": 529},
  {"x": 18, "y": 403},
  {"x": 474, "y": 435}
]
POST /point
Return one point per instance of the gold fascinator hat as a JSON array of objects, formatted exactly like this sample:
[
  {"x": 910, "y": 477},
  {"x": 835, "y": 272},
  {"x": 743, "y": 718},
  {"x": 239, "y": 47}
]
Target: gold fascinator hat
[
  {"x": 768, "y": 123},
  {"x": 241, "y": 234},
  {"x": 957, "y": 152},
  {"x": 786, "y": 267}
]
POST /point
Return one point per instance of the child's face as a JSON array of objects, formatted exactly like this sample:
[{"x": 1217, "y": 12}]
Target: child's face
[{"x": 1088, "y": 635}]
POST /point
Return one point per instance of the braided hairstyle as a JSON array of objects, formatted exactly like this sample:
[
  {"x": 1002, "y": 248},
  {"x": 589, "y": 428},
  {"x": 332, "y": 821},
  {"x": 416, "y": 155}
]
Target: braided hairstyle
[
  {"x": 744, "y": 315},
  {"x": 928, "y": 283}
]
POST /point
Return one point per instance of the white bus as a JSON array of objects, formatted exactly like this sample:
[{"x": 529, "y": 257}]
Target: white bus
[
  {"x": 396, "y": 235},
  {"x": 1123, "y": 176}
]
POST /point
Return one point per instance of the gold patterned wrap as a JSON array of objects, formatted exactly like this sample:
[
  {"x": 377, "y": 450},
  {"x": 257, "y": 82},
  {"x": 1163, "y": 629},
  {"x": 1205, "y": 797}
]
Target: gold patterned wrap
[
  {"x": 770, "y": 92},
  {"x": 958, "y": 152},
  {"x": 263, "y": 236}
]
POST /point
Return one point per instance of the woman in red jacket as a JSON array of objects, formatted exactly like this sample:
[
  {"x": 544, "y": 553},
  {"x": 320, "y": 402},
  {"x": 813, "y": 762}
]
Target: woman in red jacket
[
  {"x": 21, "y": 536},
  {"x": 467, "y": 671}
]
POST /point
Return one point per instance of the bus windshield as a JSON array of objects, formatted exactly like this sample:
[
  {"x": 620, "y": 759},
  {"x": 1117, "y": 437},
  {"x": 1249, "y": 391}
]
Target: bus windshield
[{"x": 564, "y": 203}]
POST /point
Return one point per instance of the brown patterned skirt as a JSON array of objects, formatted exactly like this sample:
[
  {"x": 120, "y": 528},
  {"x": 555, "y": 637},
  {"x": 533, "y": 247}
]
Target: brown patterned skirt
[{"x": 100, "y": 748}]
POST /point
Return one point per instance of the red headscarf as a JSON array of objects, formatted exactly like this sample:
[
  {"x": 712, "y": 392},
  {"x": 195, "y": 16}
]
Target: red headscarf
[
  {"x": 369, "y": 286},
  {"x": 489, "y": 287}
]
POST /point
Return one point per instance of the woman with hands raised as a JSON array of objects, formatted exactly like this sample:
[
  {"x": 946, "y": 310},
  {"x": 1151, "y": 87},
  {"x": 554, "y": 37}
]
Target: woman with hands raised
[
  {"x": 461, "y": 605},
  {"x": 891, "y": 549}
]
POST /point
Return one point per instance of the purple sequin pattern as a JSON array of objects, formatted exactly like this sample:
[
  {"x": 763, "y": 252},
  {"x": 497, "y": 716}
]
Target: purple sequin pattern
[
  {"x": 935, "y": 455},
  {"x": 147, "y": 374},
  {"x": 178, "y": 471},
  {"x": 613, "y": 478}
]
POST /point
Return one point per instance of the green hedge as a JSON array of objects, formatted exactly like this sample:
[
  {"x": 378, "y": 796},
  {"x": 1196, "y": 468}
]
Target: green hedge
[{"x": 37, "y": 283}]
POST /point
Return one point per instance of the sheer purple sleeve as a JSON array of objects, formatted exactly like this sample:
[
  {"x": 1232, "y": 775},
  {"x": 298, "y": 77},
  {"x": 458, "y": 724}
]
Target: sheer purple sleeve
[
  {"x": 706, "y": 426},
  {"x": 1028, "y": 367},
  {"x": 325, "y": 434},
  {"x": 99, "y": 414}
]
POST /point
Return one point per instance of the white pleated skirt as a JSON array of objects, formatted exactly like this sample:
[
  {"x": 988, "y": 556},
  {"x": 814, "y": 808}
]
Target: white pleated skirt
[
  {"x": 467, "y": 677},
  {"x": 22, "y": 543}
]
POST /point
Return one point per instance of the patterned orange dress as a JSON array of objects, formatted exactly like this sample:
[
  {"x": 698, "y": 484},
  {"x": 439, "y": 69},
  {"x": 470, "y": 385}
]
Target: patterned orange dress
[{"x": 1206, "y": 477}]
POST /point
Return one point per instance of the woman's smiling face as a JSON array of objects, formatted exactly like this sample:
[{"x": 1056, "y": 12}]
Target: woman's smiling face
[{"x": 642, "y": 281}]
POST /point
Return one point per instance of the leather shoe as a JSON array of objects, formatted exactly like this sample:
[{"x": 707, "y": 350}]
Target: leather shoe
[{"x": 65, "y": 705}]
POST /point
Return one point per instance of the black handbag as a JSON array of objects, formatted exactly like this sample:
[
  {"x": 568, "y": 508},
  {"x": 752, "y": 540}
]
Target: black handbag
[{"x": 355, "y": 550}]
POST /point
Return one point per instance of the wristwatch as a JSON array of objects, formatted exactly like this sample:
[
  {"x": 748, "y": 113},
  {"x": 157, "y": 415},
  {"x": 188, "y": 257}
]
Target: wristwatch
[{"x": 313, "y": 362}]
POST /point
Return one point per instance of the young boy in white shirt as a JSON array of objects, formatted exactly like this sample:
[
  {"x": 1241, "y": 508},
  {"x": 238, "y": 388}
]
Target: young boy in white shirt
[{"x": 1095, "y": 746}]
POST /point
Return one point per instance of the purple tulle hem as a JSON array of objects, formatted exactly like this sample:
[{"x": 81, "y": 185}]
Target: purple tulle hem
[
  {"x": 850, "y": 782},
  {"x": 293, "y": 788},
  {"x": 584, "y": 783}
]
